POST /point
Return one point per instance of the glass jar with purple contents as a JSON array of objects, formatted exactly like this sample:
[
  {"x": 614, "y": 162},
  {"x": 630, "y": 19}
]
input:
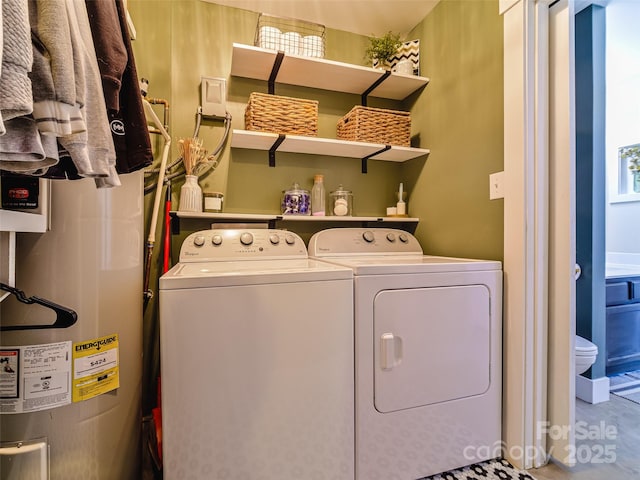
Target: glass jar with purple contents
[{"x": 296, "y": 201}]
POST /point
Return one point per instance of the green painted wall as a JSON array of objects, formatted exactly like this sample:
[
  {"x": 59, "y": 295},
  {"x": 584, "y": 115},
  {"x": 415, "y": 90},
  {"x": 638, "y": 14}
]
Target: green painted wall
[{"x": 458, "y": 116}]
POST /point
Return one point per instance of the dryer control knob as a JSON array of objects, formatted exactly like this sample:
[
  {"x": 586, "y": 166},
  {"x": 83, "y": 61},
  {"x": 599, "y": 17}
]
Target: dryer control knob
[
  {"x": 391, "y": 237},
  {"x": 198, "y": 241},
  {"x": 274, "y": 239},
  {"x": 368, "y": 236},
  {"x": 216, "y": 239},
  {"x": 246, "y": 238},
  {"x": 290, "y": 239},
  {"x": 403, "y": 237}
]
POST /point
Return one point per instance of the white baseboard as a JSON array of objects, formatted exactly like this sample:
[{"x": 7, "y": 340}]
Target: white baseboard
[{"x": 592, "y": 390}]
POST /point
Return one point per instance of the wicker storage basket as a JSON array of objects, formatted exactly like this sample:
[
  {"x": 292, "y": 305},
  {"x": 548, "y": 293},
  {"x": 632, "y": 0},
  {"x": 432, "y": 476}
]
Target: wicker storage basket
[
  {"x": 376, "y": 125},
  {"x": 277, "y": 114}
]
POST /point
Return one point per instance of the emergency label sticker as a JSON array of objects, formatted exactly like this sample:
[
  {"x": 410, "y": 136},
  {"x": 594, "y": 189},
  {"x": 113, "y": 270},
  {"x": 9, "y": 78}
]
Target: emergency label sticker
[
  {"x": 96, "y": 367},
  {"x": 9, "y": 373},
  {"x": 35, "y": 377}
]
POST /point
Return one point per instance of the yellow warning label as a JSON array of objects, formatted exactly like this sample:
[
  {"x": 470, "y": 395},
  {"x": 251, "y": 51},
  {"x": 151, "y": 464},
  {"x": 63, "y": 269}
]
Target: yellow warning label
[{"x": 95, "y": 367}]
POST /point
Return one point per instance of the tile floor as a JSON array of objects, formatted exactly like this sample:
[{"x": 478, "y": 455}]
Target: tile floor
[{"x": 625, "y": 416}]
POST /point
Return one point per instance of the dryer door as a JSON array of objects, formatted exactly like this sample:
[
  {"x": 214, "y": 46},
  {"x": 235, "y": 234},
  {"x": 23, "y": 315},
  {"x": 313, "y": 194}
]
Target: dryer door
[{"x": 431, "y": 345}]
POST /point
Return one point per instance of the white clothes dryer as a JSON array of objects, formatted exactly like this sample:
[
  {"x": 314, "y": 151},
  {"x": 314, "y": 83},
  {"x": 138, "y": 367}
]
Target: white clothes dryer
[
  {"x": 428, "y": 353},
  {"x": 257, "y": 360}
]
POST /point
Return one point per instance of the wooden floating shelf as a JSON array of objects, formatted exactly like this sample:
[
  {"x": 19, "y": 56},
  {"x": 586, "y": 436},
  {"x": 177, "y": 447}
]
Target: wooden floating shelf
[
  {"x": 274, "y": 219},
  {"x": 259, "y": 217},
  {"x": 324, "y": 146},
  {"x": 257, "y": 63}
]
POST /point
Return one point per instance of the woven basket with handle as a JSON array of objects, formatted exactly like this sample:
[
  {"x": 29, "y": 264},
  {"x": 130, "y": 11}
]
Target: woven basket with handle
[
  {"x": 376, "y": 125},
  {"x": 278, "y": 114}
]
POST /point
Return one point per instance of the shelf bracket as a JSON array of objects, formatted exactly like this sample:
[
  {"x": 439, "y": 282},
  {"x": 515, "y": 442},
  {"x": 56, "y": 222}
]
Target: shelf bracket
[
  {"x": 373, "y": 87},
  {"x": 366, "y": 159},
  {"x": 274, "y": 147},
  {"x": 274, "y": 72}
]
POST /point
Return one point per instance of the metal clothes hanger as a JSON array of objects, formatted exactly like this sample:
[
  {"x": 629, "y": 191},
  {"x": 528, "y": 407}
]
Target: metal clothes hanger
[{"x": 65, "y": 317}]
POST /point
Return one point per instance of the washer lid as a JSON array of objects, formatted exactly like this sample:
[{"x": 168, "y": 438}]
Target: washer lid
[
  {"x": 585, "y": 347},
  {"x": 232, "y": 273}
]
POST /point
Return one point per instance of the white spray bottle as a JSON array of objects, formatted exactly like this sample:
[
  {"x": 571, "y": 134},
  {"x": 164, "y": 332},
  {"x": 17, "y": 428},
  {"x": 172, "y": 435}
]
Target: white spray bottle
[{"x": 401, "y": 207}]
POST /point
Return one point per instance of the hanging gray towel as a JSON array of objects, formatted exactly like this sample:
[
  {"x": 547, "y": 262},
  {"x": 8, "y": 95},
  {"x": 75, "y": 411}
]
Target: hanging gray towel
[
  {"x": 23, "y": 150},
  {"x": 17, "y": 57}
]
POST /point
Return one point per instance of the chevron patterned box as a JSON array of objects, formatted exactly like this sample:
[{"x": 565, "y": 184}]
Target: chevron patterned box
[{"x": 408, "y": 51}]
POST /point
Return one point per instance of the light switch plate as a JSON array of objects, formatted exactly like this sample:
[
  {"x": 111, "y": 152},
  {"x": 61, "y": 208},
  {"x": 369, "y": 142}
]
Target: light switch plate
[{"x": 496, "y": 185}]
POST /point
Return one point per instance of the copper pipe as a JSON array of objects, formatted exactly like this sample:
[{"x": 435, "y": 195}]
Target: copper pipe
[{"x": 165, "y": 103}]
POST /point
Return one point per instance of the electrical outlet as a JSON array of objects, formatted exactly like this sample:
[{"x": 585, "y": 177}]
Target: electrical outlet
[
  {"x": 496, "y": 185},
  {"x": 213, "y": 96}
]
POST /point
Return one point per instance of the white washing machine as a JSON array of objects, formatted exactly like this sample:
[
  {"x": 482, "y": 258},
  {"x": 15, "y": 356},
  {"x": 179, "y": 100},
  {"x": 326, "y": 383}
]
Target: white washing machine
[
  {"x": 428, "y": 353},
  {"x": 257, "y": 360}
]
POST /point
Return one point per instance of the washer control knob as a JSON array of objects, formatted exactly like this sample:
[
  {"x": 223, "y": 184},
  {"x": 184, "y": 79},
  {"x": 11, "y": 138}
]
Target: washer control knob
[
  {"x": 403, "y": 237},
  {"x": 198, "y": 241},
  {"x": 274, "y": 239},
  {"x": 290, "y": 239},
  {"x": 391, "y": 237},
  {"x": 368, "y": 236},
  {"x": 246, "y": 238},
  {"x": 216, "y": 239}
]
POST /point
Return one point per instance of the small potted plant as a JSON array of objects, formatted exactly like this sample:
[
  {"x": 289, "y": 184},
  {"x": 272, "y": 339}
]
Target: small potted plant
[
  {"x": 381, "y": 49},
  {"x": 631, "y": 155}
]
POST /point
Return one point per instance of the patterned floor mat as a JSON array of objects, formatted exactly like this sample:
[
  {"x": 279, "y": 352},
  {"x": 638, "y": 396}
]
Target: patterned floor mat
[
  {"x": 626, "y": 385},
  {"x": 497, "y": 469}
]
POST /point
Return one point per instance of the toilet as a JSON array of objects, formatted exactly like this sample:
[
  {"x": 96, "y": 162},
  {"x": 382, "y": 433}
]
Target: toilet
[{"x": 585, "y": 354}]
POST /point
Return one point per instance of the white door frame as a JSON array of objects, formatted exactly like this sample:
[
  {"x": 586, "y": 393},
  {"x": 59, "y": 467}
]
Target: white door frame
[
  {"x": 562, "y": 233},
  {"x": 539, "y": 243},
  {"x": 525, "y": 245}
]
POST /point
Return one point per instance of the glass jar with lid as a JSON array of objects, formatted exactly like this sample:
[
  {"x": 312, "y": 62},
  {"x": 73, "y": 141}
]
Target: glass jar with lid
[
  {"x": 296, "y": 201},
  {"x": 341, "y": 203}
]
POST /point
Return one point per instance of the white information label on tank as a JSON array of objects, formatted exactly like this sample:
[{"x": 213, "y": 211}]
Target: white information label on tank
[
  {"x": 40, "y": 386},
  {"x": 35, "y": 377}
]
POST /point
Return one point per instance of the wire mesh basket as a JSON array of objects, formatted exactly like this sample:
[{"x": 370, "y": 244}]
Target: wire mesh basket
[{"x": 292, "y": 36}]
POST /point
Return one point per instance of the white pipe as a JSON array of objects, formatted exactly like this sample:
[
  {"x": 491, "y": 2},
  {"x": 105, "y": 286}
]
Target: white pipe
[
  {"x": 163, "y": 162},
  {"x": 8, "y": 242}
]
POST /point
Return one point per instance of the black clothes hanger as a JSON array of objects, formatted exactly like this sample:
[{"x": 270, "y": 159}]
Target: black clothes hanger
[{"x": 65, "y": 317}]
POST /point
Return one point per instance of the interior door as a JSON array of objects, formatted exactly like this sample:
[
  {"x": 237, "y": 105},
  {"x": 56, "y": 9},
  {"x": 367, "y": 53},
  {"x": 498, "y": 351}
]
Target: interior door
[
  {"x": 539, "y": 210},
  {"x": 562, "y": 242}
]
